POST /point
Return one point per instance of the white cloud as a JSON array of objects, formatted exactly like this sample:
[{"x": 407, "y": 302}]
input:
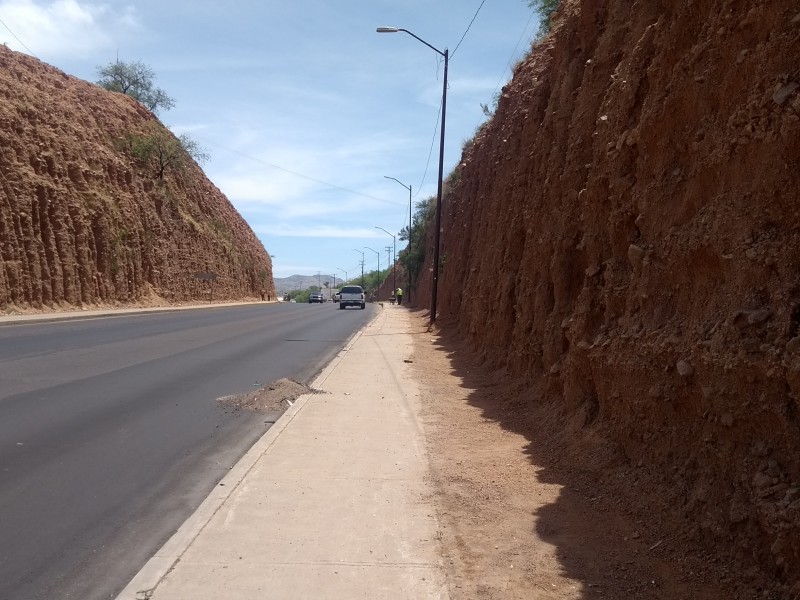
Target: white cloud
[
  {"x": 261, "y": 184},
  {"x": 320, "y": 180},
  {"x": 188, "y": 128},
  {"x": 63, "y": 28}
]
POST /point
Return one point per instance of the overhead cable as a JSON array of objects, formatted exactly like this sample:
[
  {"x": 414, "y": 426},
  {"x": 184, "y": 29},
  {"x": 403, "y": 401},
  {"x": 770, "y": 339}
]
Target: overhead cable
[{"x": 16, "y": 38}]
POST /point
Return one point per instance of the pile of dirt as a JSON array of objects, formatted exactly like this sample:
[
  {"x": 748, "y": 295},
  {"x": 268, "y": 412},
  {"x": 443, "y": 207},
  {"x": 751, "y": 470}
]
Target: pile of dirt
[
  {"x": 627, "y": 231},
  {"x": 277, "y": 396},
  {"x": 84, "y": 223}
]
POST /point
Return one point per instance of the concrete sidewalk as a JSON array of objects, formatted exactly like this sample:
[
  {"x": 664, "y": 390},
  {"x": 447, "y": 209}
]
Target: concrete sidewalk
[{"x": 333, "y": 502}]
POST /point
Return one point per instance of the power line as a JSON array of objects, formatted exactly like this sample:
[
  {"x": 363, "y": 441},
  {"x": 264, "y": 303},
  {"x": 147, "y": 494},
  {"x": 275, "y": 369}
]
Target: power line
[
  {"x": 301, "y": 175},
  {"x": 511, "y": 58},
  {"x": 439, "y": 114},
  {"x": 468, "y": 28},
  {"x": 16, "y": 38},
  {"x": 513, "y": 53},
  {"x": 430, "y": 152}
]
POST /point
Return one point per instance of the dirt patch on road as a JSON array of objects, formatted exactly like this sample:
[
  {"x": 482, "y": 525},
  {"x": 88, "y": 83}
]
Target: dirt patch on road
[
  {"x": 529, "y": 511},
  {"x": 277, "y": 396}
]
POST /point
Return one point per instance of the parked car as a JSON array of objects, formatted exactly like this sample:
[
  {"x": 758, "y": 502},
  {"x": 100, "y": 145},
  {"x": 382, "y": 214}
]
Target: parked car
[
  {"x": 352, "y": 295},
  {"x": 316, "y": 298}
]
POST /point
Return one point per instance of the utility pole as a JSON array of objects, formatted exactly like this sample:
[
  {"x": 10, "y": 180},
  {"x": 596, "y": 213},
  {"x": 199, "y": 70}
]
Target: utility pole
[
  {"x": 334, "y": 286},
  {"x": 361, "y": 252},
  {"x": 389, "y": 250}
]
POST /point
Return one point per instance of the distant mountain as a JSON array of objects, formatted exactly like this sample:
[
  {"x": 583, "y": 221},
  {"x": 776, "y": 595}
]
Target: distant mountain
[{"x": 301, "y": 282}]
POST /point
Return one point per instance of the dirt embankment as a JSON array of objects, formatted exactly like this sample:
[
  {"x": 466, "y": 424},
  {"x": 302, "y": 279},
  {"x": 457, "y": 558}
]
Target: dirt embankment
[
  {"x": 624, "y": 235},
  {"x": 83, "y": 223},
  {"x": 396, "y": 278}
]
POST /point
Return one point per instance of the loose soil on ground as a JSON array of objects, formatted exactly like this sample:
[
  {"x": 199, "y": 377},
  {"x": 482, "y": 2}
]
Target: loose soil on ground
[
  {"x": 527, "y": 511},
  {"x": 276, "y": 396}
]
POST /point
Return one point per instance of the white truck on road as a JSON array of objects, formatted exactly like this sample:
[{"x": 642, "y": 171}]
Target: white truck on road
[{"x": 351, "y": 295}]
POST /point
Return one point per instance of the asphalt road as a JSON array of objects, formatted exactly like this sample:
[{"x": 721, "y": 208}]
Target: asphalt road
[{"x": 111, "y": 433}]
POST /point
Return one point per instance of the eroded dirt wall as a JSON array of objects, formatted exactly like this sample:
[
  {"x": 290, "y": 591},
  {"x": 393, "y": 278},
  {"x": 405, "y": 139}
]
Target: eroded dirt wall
[
  {"x": 625, "y": 234},
  {"x": 82, "y": 223}
]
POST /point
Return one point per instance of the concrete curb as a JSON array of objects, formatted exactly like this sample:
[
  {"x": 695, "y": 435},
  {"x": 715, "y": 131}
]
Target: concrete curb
[{"x": 144, "y": 583}]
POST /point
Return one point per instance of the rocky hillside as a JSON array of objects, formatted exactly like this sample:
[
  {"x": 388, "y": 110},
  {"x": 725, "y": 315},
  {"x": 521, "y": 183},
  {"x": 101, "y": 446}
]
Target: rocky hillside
[
  {"x": 82, "y": 222},
  {"x": 628, "y": 228}
]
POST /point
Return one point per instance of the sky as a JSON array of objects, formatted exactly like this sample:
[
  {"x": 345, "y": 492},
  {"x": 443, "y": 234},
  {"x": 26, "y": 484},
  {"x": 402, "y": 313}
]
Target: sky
[{"x": 304, "y": 109}]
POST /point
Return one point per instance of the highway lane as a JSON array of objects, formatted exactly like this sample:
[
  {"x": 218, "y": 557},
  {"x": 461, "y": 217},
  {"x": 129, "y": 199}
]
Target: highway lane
[{"x": 111, "y": 433}]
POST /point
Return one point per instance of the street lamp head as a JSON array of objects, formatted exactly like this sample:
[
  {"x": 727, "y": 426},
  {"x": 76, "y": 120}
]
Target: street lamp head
[
  {"x": 382, "y": 229},
  {"x": 408, "y": 187},
  {"x": 396, "y": 29}
]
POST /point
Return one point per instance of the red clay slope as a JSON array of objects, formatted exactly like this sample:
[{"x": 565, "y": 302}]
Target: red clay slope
[
  {"x": 82, "y": 223},
  {"x": 625, "y": 235}
]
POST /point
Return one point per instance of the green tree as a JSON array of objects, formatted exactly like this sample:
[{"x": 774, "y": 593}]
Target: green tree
[
  {"x": 159, "y": 149},
  {"x": 545, "y": 10},
  {"x": 134, "y": 79},
  {"x": 413, "y": 255}
]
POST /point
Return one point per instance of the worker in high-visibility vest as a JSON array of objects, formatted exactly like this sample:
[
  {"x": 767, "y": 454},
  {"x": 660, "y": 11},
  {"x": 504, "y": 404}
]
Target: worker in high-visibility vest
[{"x": 399, "y": 295}]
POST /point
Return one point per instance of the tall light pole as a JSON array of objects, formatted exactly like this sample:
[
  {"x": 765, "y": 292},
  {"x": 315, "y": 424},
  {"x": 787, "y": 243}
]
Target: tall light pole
[
  {"x": 345, "y": 274},
  {"x": 408, "y": 262},
  {"x": 361, "y": 252},
  {"x": 330, "y": 292},
  {"x": 394, "y": 259},
  {"x": 379, "y": 260},
  {"x": 438, "y": 223}
]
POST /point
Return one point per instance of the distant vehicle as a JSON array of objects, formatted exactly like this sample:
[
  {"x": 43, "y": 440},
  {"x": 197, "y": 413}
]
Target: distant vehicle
[
  {"x": 352, "y": 295},
  {"x": 316, "y": 298}
]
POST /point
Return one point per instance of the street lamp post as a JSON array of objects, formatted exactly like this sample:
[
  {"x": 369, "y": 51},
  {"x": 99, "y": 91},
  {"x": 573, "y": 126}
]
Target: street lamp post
[
  {"x": 379, "y": 261},
  {"x": 361, "y": 252},
  {"x": 345, "y": 274},
  {"x": 438, "y": 223},
  {"x": 408, "y": 261},
  {"x": 394, "y": 259}
]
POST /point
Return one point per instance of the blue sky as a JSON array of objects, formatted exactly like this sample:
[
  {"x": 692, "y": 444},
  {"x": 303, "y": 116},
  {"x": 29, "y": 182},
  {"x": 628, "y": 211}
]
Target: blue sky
[{"x": 301, "y": 105}]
